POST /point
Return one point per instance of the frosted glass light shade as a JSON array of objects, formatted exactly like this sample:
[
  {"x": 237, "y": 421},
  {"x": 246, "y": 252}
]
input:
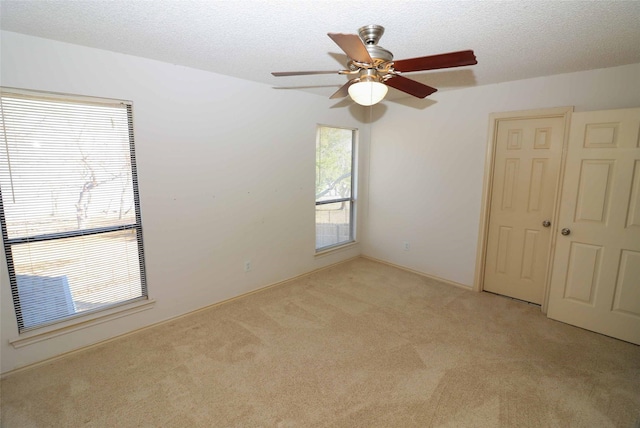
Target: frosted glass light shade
[{"x": 368, "y": 93}]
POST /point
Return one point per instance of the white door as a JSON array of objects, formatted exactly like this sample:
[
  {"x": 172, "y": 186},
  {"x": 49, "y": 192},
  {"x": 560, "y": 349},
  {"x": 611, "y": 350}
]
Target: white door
[
  {"x": 526, "y": 167},
  {"x": 595, "y": 281}
]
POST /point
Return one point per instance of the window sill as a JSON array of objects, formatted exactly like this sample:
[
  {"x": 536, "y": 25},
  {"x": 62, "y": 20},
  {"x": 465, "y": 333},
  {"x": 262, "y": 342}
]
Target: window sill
[
  {"x": 336, "y": 248},
  {"x": 70, "y": 326}
]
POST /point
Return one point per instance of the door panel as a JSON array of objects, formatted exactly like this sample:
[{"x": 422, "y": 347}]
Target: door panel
[
  {"x": 595, "y": 281},
  {"x": 582, "y": 270},
  {"x": 527, "y": 162}
]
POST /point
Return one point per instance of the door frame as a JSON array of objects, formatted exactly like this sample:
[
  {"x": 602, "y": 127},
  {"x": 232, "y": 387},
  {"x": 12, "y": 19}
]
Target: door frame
[{"x": 487, "y": 186}]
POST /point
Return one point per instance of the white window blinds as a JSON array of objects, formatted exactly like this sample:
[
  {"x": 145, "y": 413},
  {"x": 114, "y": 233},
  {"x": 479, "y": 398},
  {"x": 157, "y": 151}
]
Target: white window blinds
[{"x": 70, "y": 213}]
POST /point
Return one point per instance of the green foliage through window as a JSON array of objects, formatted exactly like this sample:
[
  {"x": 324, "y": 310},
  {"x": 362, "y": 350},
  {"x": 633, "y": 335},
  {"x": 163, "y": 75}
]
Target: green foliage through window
[
  {"x": 333, "y": 163},
  {"x": 334, "y": 186}
]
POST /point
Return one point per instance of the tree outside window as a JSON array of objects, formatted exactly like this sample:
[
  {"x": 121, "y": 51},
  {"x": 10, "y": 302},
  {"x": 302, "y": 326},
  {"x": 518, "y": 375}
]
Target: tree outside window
[{"x": 334, "y": 186}]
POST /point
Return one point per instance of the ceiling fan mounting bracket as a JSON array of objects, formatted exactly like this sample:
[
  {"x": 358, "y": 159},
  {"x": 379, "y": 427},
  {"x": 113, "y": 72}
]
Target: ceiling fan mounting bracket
[{"x": 370, "y": 34}]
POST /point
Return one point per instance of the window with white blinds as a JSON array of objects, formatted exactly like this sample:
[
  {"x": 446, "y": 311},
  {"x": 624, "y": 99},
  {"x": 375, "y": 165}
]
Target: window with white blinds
[{"x": 69, "y": 211}]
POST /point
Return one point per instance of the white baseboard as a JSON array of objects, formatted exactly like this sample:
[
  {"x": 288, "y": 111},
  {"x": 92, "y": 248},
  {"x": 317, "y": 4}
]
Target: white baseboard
[{"x": 426, "y": 275}]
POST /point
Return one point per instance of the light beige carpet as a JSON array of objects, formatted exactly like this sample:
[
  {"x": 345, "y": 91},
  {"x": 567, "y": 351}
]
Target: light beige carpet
[{"x": 361, "y": 344}]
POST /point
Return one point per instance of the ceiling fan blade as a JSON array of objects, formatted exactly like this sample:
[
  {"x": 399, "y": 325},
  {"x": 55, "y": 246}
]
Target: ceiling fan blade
[
  {"x": 301, "y": 73},
  {"x": 432, "y": 62},
  {"x": 409, "y": 86},
  {"x": 352, "y": 45},
  {"x": 344, "y": 90}
]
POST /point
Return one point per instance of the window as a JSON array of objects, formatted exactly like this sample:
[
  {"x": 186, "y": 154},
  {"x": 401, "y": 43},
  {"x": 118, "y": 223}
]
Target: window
[
  {"x": 69, "y": 210},
  {"x": 335, "y": 200}
]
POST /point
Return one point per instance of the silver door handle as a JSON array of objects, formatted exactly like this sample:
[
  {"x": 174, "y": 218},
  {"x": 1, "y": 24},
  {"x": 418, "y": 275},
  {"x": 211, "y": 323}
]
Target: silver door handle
[
  {"x": 565, "y": 231},
  {"x": 546, "y": 223}
]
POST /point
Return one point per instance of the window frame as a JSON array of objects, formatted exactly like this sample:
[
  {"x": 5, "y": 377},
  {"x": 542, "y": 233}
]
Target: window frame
[
  {"x": 106, "y": 310},
  {"x": 351, "y": 200}
]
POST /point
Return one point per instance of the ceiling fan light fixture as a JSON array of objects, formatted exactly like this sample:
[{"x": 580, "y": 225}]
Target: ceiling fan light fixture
[{"x": 368, "y": 92}]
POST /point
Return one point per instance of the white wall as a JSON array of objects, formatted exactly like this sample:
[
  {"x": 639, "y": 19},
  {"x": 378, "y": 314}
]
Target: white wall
[
  {"x": 427, "y": 163},
  {"x": 226, "y": 173}
]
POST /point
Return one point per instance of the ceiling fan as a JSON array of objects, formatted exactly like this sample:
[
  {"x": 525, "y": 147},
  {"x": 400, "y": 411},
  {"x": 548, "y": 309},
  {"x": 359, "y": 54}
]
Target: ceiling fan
[{"x": 376, "y": 70}]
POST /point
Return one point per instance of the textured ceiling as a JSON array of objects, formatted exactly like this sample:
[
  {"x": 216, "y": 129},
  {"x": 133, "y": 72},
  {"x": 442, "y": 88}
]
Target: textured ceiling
[{"x": 249, "y": 39}]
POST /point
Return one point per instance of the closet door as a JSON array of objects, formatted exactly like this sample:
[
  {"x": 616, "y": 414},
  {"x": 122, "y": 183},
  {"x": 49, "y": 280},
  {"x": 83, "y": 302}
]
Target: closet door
[
  {"x": 525, "y": 177},
  {"x": 595, "y": 281}
]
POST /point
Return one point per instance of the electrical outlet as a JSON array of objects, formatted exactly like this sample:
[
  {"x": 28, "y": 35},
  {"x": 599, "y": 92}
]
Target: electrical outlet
[
  {"x": 406, "y": 246},
  {"x": 247, "y": 265}
]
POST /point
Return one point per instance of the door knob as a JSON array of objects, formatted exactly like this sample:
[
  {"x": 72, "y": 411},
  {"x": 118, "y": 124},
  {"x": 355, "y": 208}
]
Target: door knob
[
  {"x": 565, "y": 231},
  {"x": 546, "y": 223}
]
